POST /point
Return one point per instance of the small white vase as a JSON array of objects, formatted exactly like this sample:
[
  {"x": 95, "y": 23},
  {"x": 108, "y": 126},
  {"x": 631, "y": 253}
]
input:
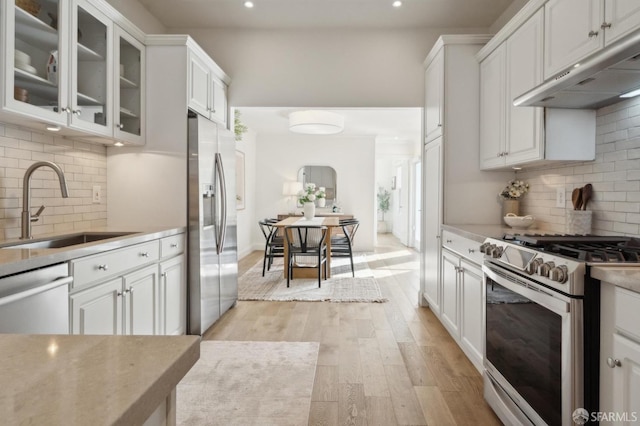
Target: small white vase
[
  {"x": 309, "y": 210},
  {"x": 322, "y": 202}
]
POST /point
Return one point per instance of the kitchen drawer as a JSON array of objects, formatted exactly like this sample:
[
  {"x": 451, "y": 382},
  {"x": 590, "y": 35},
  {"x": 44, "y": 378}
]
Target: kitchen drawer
[
  {"x": 465, "y": 247},
  {"x": 627, "y": 312},
  {"x": 173, "y": 245},
  {"x": 86, "y": 270}
]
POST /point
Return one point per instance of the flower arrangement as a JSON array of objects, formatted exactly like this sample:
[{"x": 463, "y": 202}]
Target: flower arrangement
[
  {"x": 514, "y": 190},
  {"x": 308, "y": 194},
  {"x": 320, "y": 193}
]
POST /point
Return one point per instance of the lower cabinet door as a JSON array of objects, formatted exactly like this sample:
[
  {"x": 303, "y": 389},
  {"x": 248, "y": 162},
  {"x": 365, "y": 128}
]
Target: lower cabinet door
[
  {"x": 626, "y": 378},
  {"x": 173, "y": 296},
  {"x": 98, "y": 310},
  {"x": 471, "y": 305},
  {"x": 449, "y": 305},
  {"x": 141, "y": 301}
]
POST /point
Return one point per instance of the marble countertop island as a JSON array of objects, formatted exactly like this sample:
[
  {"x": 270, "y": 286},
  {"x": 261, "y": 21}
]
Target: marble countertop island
[{"x": 90, "y": 380}]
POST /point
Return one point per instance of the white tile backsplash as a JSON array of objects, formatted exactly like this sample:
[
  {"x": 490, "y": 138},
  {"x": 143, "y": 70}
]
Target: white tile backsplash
[
  {"x": 615, "y": 176},
  {"x": 84, "y": 166}
]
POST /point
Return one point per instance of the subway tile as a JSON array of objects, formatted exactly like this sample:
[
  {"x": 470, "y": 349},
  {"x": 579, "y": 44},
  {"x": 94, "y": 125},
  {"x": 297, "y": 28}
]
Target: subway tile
[
  {"x": 17, "y": 133},
  {"x": 626, "y": 228},
  {"x": 621, "y": 206}
]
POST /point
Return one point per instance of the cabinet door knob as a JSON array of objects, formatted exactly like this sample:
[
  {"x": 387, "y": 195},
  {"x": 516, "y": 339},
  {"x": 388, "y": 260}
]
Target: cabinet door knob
[
  {"x": 67, "y": 110},
  {"x": 118, "y": 294},
  {"x": 613, "y": 363},
  {"x": 103, "y": 267},
  {"x": 163, "y": 275},
  {"x": 605, "y": 25},
  {"x": 144, "y": 254},
  {"x": 77, "y": 112},
  {"x": 174, "y": 245},
  {"x": 593, "y": 33},
  {"x": 472, "y": 251},
  {"x": 449, "y": 241}
]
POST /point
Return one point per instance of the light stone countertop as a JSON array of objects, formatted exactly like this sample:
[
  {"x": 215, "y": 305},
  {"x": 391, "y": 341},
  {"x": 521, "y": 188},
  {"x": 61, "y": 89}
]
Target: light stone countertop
[
  {"x": 622, "y": 276},
  {"x": 480, "y": 232},
  {"x": 89, "y": 380},
  {"x": 14, "y": 260}
]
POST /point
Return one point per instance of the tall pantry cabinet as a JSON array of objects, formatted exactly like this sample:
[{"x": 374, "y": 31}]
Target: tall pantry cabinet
[{"x": 455, "y": 191}]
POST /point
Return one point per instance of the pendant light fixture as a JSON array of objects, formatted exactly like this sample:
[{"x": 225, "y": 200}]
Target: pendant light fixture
[{"x": 316, "y": 122}]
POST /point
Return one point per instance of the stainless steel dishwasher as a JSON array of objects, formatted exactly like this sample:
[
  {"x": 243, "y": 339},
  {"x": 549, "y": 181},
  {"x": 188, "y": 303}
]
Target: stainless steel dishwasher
[{"x": 36, "y": 302}]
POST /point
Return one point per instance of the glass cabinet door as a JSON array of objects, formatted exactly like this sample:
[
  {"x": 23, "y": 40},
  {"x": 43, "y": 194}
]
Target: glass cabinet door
[
  {"x": 129, "y": 96},
  {"x": 36, "y": 47},
  {"x": 91, "y": 71}
]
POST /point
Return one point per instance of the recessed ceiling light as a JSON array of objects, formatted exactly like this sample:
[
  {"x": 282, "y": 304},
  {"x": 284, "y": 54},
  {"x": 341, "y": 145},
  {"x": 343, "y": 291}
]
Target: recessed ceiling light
[
  {"x": 118, "y": 144},
  {"x": 248, "y": 4},
  {"x": 53, "y": 128},
  {"x": 396, "y": 3}
]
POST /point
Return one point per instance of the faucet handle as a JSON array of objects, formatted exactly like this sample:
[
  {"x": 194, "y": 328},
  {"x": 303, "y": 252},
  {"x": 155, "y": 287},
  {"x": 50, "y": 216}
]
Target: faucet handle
[{"x": 35, "y": 217}]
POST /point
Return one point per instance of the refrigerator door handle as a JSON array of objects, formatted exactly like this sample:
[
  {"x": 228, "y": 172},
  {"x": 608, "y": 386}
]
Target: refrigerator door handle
[{"x": 220, "y": 236}]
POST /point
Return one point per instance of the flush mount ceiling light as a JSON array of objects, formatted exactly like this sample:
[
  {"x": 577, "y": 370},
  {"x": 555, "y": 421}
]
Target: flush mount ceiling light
[
  {"x": 314, "y": 122},
  {"x": 248, "y": 4},
  {"x": 396, "y": 3}
]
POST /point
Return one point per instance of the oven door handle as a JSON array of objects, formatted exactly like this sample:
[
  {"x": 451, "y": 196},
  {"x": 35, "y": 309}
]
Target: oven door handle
[{"x": 540, "y": 297}]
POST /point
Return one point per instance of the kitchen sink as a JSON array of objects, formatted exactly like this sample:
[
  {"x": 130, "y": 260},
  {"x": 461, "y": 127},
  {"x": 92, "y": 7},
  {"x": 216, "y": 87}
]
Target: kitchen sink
[{"x": 64, "y": 240}]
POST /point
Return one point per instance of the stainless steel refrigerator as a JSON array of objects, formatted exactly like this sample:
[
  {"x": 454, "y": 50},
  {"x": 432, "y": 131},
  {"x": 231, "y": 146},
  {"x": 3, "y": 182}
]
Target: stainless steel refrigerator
[{"x": 212, "y": 236}]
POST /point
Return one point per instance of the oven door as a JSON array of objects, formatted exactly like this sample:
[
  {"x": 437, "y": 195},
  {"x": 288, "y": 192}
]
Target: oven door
[{"x": 532, "y": 335}]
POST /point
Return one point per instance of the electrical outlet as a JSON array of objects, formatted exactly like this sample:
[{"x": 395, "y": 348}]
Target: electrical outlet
[
  {"x": 561, "y": 200},
  {"x": 97, "y": 194}
]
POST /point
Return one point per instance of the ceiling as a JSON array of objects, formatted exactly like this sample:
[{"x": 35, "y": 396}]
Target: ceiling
[
  {"x": 387, "y": 125},
  {"x": 326, "y": 13}
]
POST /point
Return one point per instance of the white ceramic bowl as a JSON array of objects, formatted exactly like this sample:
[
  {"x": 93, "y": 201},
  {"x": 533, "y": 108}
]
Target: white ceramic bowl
[
  {"x": 519, "y": 221},
  {"x": 21, "y": 57}
]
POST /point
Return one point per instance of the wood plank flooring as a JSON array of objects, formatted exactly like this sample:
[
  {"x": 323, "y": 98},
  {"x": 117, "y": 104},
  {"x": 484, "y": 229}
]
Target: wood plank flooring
[{"x": 379, "y": 363}]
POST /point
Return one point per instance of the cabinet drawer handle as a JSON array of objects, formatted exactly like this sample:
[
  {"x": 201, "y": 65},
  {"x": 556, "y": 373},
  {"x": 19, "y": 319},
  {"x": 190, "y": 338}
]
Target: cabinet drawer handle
[
  {"x": 605, "y": 25},
  {"x": 613, "y": 363},
  {"x": 174, "y": 245},
  {"x": 144, "y": 254},
  {"x": 594, "y": 33},
  {"x": 472, "y": 251},
  {"x": 449, "y": 241},
  {"x": 103, "y": 267}
]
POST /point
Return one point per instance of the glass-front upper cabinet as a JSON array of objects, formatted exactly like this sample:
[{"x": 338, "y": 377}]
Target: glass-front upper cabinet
[
  {"x": 91, "y": 69},
  {"x": 129, "y": 91},
  {"x": 36, "y": 45}
]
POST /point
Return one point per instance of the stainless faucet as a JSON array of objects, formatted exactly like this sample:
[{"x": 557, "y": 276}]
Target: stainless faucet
[{"x": 27, "y": 217}]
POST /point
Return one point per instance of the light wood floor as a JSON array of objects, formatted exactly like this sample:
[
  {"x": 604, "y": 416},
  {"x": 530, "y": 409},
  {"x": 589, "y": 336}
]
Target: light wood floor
[{"x": 380, "y": 363}]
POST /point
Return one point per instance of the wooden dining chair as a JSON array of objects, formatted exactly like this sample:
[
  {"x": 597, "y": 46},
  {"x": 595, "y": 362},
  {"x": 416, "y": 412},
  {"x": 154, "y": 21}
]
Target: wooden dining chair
[
  {"x": 306, "y": 243},
  {"x": 274, "y": 243},
  {"x": 342, "y": 244}
]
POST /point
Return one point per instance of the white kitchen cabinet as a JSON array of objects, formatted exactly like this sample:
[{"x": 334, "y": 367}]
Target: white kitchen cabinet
[
  {"x": 620, "y": 354},
  {"x": 141, "y": 291},
  {"x": 207, "y": 92},
  {"x": 455, "y": 190},
  {"x": 130, "y": 86},
  {"x": 434, "y": 94},
  {"x": 512, "y": 135},
  {"x": 492, "y": 109},
  {"x": 173, "y": 296},
  {"x": 463, "y": 295},
  {"x": 98, "y": 310},
  {"x": 85, "y": 95},
  {"x": 432, "y": 191},
  {"x": 450, "y": 314},
  {"x": 576, "y": 29}
]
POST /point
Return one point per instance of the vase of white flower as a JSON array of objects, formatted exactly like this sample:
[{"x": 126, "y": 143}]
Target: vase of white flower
[
  {"x": 307, "y": 198},
  {"x": 322, "y": 197},
  {"x": 511, "y": 195}
]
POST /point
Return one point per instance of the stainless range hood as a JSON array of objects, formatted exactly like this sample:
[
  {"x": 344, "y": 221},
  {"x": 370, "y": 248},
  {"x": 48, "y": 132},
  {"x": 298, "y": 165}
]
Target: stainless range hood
[{"x": 597, "y": 82}]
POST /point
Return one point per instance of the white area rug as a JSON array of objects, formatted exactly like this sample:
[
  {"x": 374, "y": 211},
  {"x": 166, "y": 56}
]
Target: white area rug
[
  {"x": 341, "y": 287},
  {"x": 249, "y": 383}
]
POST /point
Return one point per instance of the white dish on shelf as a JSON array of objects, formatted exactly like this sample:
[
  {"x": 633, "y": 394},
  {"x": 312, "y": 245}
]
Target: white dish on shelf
[
  {"x": 21, "y": 57},
  {"x": 522, "y": 222},
  {"x": 27, "y": 68}
]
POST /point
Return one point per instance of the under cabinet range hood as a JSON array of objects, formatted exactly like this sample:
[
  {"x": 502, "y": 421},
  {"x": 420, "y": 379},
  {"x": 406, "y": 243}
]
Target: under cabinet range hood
[{"x": 598, "y": 81}]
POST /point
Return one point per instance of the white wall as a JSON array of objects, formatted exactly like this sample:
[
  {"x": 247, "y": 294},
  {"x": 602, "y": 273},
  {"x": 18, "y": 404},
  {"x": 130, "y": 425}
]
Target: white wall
[
  {"x": 280, "y": 157},
  {"x": 248, "y": 231},
  {"x": 138, "y": 15},
  {"x": 507, "y": 15},
  {"x": 322, "y": 68}
]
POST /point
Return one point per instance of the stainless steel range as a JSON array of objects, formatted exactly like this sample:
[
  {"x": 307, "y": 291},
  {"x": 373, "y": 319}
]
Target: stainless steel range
[{"x": 542, "y": 323}]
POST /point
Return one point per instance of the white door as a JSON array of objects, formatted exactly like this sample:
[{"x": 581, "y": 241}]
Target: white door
[
  {"x": 173, "y": 311},
  {"x": 434, "y": 94},
  {"x": 450, "y": 282},
  {"x": 432, "y": 211},
  {"x": 98, "y": 310},
  {"x": 624, "y": 17},
  {"x": 141, "y": 302},
  {"x": 198, "y": 85},
  {"x": 626, "y": 377},
  {"x": 572, "y": 32},
  {"x": 492, "y": 109},
  {"x": 471, "y": 305}
]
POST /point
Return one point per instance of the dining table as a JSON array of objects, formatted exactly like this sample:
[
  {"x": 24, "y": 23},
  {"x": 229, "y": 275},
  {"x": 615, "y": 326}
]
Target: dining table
[{"x": 331, "y": 222}]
